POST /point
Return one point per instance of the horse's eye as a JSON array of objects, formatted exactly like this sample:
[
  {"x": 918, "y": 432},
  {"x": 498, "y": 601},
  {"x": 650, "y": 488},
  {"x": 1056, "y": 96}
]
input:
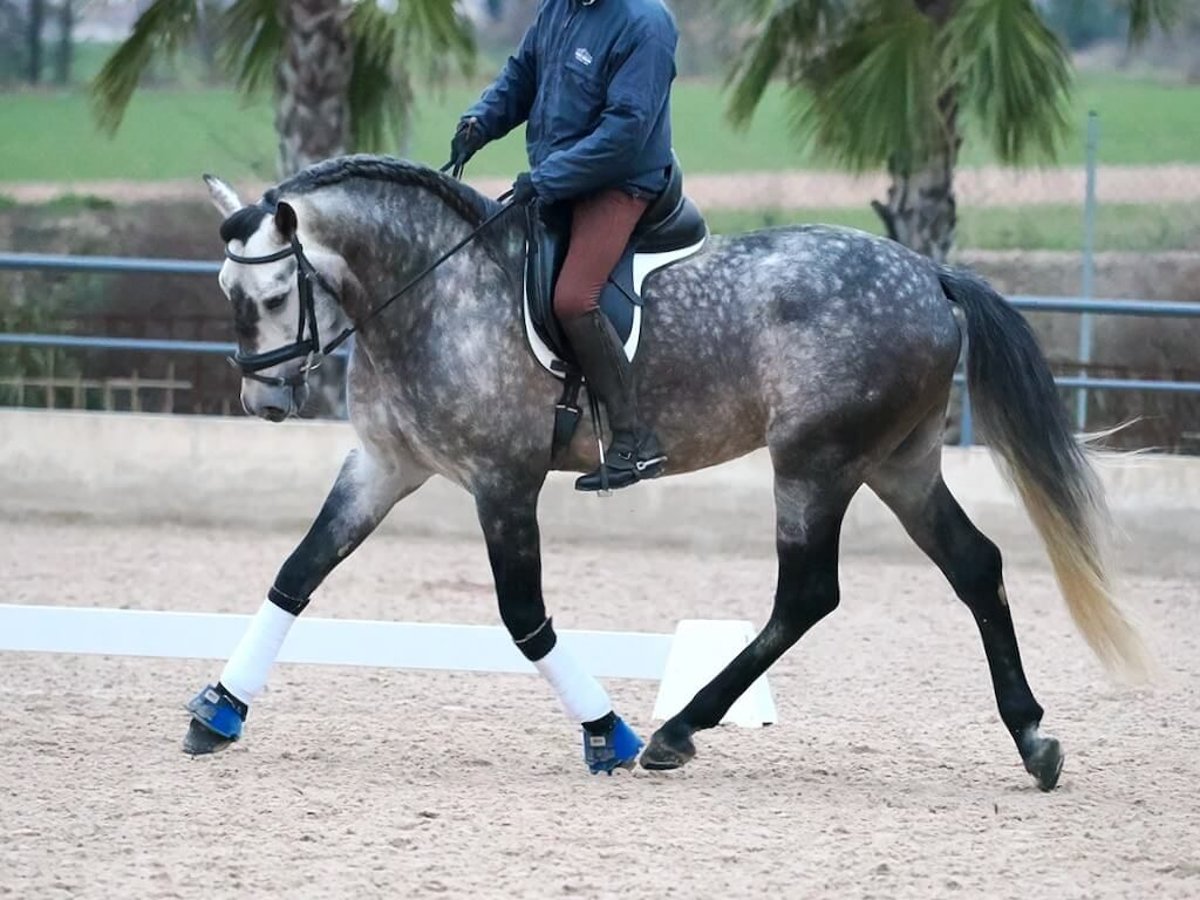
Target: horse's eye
[{"x": 274, "y": 303}]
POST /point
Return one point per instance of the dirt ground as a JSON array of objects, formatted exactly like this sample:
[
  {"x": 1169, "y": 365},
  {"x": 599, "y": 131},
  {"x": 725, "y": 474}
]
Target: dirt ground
[{"x": 888, "y": 774}]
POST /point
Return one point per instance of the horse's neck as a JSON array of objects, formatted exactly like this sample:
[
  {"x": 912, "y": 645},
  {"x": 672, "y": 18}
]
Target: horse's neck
[{"x": 392, "y": 235}]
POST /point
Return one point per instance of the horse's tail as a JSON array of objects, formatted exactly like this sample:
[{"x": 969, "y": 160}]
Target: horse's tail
[{"x": 1026, "y": 426}]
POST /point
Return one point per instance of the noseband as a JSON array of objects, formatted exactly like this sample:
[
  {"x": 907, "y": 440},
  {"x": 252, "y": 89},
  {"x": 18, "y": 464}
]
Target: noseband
[
  {"x": 308, "y": 339},
  {"x": 306, "y": 345}
]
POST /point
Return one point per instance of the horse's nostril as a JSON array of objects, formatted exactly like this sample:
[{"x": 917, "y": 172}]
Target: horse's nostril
[{"x": 273, "y": 413}]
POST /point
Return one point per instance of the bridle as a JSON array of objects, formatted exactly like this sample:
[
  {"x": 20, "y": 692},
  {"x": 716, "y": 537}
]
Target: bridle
[{"x": 307, "y": 345}]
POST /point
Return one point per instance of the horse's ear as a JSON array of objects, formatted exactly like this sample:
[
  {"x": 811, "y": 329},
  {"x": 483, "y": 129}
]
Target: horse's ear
[
  {"x": 285, "y": 220},
  {"x": 224, "y": 197}
]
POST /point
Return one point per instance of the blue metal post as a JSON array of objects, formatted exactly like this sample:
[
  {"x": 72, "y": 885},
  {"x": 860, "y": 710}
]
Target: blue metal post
[{"x": 47, "y": 262}]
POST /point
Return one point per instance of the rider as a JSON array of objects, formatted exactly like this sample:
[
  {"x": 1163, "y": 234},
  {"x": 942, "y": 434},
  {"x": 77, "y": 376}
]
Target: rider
[{"x": 593, "y": 79}]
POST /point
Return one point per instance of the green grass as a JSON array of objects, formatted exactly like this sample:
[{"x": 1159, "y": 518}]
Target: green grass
[
  {"x": 170, "y": 134},
  {"x": 167, "y": 134},
  {"x": 1128, "y": 227},
  {"x": 1142, "y": 122}
]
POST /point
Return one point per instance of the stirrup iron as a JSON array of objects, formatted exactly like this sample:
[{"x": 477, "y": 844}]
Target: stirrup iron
[{"x": 604, "y": 491}]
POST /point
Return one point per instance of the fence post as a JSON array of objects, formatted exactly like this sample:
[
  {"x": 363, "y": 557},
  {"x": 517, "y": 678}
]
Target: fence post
[{"x": 1089, "y": 265}]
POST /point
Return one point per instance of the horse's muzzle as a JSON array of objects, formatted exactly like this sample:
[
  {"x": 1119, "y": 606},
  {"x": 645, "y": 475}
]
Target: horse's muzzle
[{"x": 273, "y": 402}]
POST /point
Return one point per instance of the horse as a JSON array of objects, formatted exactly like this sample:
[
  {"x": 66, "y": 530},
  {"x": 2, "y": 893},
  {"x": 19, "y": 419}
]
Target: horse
[{"x": 834, "y": 348}]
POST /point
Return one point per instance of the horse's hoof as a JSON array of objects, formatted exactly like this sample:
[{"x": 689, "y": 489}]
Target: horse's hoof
[
  {"x": 1045, "y": 763},
  {"x": 201, "y": 740},
  {"x": 666, "y": 752}
]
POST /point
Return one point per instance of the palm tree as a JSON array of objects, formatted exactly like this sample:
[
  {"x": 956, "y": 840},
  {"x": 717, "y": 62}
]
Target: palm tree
[
  {"x": 877, "y": 83},
  {"x": 340, "y": 70}
]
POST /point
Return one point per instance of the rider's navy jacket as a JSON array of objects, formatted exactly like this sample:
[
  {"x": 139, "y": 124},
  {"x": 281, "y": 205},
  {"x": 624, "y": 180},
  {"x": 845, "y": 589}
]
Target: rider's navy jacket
[{"x": 593, "y": 81}]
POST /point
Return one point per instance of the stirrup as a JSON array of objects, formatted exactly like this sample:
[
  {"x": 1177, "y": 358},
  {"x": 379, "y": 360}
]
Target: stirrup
[{"x": 605, "y": 490}]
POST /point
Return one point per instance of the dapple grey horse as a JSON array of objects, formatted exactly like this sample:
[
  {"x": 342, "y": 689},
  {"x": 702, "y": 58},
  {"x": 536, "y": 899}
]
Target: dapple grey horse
[{"x": 834, "y": 348}]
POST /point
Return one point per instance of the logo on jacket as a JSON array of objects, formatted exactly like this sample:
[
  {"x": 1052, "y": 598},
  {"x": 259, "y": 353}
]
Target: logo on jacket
[{"x": 583, "y": 56}]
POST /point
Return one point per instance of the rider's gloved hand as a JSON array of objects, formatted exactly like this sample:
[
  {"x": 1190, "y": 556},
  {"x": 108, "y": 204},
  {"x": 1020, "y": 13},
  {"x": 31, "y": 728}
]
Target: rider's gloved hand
[
  {"x": 524, "y": 193},
  {"x": 468, "y": 140}
]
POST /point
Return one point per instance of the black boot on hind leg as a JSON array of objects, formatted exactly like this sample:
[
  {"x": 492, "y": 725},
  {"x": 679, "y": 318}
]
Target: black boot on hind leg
[{"x": 635, "y": 453}]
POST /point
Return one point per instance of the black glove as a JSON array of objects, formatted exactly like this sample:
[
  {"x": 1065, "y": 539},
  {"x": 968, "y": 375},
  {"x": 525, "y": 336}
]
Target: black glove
[
  {"x": 524, "y": 193},
  {"x": 468, "y": 140}
]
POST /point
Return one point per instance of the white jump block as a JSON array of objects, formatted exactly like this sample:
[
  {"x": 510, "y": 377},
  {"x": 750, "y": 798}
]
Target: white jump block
[
  {"x": 683, "y": 662},
  {"x": 700, "y": 649}
]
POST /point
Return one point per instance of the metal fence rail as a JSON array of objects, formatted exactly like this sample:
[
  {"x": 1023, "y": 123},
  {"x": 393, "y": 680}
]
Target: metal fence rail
[
  {"x": 133, "y": 265},
  {"x": 47, "y": 262},
  {"x": 152, "y": 345}
]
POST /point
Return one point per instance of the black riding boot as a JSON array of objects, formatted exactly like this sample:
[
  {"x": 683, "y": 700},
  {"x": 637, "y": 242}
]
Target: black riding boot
[{"x": 635, "y": 452}]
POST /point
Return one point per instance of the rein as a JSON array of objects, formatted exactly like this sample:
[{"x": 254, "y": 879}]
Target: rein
[{"x": 309, "y": 345}]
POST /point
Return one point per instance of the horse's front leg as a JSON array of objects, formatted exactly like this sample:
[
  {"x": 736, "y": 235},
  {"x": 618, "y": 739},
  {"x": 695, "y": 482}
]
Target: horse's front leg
[
  {"x": 509, "y": 520},
  {"x": 362, "y": 495}
]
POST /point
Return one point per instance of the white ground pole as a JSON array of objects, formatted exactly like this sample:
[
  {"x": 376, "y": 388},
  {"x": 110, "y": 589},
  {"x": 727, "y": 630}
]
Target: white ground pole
[{"x": 681, "y": 662}]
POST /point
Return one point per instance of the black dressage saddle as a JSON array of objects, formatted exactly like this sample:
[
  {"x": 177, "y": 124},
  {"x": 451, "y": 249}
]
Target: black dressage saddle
[{"x": 671, "y": 229}]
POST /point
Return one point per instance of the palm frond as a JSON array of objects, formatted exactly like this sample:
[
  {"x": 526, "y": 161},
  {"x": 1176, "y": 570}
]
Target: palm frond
[
  {"x": 425, "y": 35},
  {"x": 161, "y": 30},
  {"x": 789, "y": 32},
  {"x": 874, "y": 91},
  {"x": 377, "y": 107},
  {"x": 251, "y": 41},
  {"x": 434, "y": 34},
  {"x": 1144, "y": 14},
  {"x": 1014, "y": 76}
]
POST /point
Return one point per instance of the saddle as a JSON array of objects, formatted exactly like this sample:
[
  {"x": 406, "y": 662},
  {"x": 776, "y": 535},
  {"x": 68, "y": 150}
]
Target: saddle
[{"x": 671, "y": 229}]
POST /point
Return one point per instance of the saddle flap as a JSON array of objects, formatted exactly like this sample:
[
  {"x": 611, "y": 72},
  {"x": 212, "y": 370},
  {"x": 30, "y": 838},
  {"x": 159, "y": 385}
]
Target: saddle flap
[{"x": 545, "y": 251}]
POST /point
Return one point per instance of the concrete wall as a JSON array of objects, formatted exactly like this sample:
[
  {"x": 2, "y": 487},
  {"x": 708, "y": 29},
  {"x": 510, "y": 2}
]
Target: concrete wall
[{"x": 249, "y": 474}]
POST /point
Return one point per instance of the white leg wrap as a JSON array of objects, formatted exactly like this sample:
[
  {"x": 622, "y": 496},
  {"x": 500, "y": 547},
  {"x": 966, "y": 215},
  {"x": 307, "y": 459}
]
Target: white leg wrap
[
  {"x": 245, "y": 675},
  {"x": 580, "y": 694}
]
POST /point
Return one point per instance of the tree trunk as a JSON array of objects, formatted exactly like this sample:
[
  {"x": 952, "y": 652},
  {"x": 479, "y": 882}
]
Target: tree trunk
[
  {"x": 66, "y": 46},
  {"x": 921, "y": 212},
  {"x": 37, "y": 20},
  {"x": 312, "y": 115}
]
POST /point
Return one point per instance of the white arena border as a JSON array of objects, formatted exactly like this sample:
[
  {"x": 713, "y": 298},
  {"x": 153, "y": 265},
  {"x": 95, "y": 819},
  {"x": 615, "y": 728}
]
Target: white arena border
[{"x": 681, "y": 662}]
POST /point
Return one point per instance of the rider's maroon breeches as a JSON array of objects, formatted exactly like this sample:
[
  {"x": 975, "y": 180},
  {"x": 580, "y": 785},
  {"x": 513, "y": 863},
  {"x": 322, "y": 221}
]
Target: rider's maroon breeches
[{"x": 600, "y": 228}]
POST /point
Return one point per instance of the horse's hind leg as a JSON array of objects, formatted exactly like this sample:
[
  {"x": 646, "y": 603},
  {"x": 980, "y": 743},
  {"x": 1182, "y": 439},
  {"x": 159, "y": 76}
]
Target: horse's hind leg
[
  {"x": 361, "y": 496},
  {"x": 809, "y": 516},
  {"x": 916, "y": 493}
]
